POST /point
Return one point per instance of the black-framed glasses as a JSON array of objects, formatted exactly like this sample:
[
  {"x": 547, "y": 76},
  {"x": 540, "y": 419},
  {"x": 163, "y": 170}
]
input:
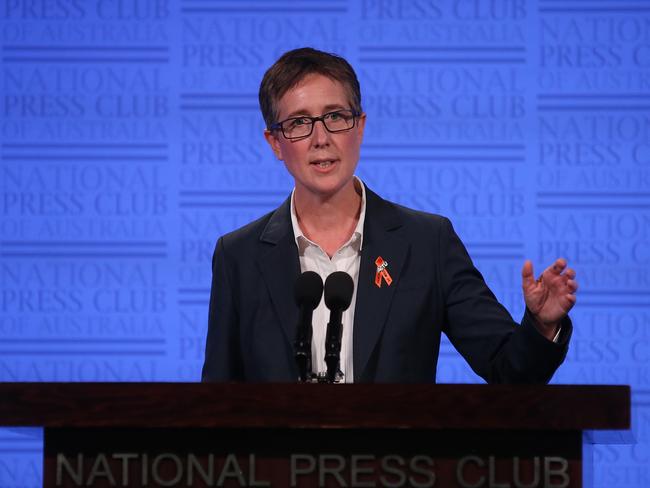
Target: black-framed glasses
[{"x": 303, "y": 126}]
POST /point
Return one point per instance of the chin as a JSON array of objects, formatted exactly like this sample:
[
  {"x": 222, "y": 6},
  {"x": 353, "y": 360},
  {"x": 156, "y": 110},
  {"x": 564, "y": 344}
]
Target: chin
[{"x": 332, "y": 185}]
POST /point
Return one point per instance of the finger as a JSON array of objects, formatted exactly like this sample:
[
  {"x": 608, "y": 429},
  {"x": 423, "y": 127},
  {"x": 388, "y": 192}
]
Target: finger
[
  {"x": 570, "y": 273},
  {"x": 571, "y": 299},
  {"x": 557, "y": 267},
  {"x": 572, "y": 285},
  {"x": 527, "y": 274}
]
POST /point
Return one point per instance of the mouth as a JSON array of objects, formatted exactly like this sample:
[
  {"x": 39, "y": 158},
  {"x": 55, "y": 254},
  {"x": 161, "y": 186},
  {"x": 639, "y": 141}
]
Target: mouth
[{"x": 323, "y": 163}]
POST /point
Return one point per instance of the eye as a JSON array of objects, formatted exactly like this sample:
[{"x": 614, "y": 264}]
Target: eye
[
  {"x": 299, "y": 121},
  {"x": 339, "y": 116}
]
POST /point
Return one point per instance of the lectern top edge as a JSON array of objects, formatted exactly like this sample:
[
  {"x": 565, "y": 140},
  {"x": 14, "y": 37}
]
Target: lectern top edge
[{"x": 187, "y": 405}]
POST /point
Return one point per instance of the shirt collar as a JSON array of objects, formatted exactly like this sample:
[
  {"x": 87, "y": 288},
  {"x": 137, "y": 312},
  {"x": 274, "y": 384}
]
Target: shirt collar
[{"x": 303, "y": 242}]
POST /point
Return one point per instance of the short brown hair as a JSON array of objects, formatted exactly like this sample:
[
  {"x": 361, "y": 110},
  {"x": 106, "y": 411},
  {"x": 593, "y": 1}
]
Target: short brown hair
[{"x": 293, "y": 66}]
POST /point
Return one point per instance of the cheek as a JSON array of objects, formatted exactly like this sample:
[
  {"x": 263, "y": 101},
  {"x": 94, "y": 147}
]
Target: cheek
[
  {"x": 291, "y": 157},
  {"x": 291, "y": 154},
  {"x": 352, "y": 147}
]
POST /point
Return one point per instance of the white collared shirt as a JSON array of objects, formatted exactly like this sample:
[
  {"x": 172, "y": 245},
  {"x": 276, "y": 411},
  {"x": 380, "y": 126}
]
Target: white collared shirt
[{"x": 348, "y": 259}]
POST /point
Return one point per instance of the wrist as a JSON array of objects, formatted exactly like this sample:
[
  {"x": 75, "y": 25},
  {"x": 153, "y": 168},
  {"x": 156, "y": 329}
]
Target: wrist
[{"x": 547, "y": 329}]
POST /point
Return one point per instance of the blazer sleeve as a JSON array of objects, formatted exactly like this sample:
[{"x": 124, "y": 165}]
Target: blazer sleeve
[
  {"x": 222, "y": 347},
  {"x": 483, "y": 331}
]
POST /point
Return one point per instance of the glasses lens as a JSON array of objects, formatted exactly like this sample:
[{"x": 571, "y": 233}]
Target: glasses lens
[
  {"x": 339, "y": 120},
  {"x": 298, "y": 127}
]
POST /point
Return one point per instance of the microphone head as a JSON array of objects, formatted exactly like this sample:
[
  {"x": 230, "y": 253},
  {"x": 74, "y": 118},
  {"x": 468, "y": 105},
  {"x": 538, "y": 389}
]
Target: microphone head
[
  {"x": 339, "y": 287},
  {"x": 308, "y": 290}
]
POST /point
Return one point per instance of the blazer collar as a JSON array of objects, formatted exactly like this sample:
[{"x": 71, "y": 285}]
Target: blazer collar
[{"x": 279, "y": 224}]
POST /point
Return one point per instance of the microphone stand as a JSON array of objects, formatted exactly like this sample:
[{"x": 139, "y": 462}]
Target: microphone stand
[
  {"x": 302, "y": 345},
  {"x": 338, "y": 291},
  {"x": 333, "y": 345},
  {"x": 307, "y": 291}
]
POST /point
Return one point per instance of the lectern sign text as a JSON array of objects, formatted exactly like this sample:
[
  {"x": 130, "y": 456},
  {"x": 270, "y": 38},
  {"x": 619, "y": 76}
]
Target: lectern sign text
[
  {"x": 356, "y": 470},
  {"x": 309, "y": 458}
]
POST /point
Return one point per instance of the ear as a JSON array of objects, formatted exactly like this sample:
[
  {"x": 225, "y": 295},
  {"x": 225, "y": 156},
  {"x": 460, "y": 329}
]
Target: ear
[
  {"x": 274, "y": 142},
  {"x": 361, "y": 124}
]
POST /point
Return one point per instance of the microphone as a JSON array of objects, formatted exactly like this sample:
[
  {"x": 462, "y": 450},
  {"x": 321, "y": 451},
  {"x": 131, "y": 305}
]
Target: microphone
[
  {"x": 308, "y": 292},
  {"x": 339, "y": 288}
]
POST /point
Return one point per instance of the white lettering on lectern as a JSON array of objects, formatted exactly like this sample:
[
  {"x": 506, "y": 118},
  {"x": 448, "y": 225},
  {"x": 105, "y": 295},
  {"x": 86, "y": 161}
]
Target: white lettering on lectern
[
  {"x": 116, "y": 468},
  {"x": 344, "y": 471},
  {"x": 478, "y": 472}
]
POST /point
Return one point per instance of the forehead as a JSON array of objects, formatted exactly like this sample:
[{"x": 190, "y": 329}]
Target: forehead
[{"x": 313, "y": 95}]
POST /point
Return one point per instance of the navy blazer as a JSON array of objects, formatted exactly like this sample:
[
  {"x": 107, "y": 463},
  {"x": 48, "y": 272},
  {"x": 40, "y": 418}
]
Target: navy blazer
[{"x": 397, "y": 328}]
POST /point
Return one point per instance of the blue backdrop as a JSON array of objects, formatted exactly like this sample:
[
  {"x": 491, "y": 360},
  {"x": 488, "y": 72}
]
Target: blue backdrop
[{"x": 131, "y": 139}]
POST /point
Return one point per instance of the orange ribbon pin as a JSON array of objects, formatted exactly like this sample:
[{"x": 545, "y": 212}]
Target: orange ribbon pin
[{"x": 382, "y": 272}]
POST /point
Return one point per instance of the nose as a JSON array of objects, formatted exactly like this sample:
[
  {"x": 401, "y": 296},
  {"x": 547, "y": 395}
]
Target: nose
[{"x": 319, "y": 135}]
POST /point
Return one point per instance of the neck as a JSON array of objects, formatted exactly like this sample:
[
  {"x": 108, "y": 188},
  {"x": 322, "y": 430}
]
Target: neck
[{"x": 329, "y": 221}]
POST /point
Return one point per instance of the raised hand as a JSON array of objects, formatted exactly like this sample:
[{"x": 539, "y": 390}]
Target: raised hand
[{"x": 551, "y": 296}]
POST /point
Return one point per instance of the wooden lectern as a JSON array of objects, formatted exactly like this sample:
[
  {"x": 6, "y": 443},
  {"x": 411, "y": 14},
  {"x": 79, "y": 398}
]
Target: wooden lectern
[{"x": 314, "y": 435}]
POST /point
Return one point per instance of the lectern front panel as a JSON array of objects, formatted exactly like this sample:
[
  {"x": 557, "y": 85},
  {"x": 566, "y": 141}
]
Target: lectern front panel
[{"x": 310, "y": 458}]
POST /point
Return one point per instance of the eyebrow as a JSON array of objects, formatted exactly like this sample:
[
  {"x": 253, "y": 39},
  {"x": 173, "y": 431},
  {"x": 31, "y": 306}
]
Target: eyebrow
[{"x": 326, "y": 108}]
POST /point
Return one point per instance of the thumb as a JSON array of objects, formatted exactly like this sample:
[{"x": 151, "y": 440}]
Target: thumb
[{"x": 527, "y": 275}]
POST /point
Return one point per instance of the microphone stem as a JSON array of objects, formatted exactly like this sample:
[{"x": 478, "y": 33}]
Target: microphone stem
[
  {"x": 302, "y": 345},
  {"x": 333, "y": 344}
]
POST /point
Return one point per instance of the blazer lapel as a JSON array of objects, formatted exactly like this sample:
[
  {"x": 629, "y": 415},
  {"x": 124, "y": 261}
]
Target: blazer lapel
[
  {"x": 280, "y": 267},
  {"x": 373, "y": 303}
]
